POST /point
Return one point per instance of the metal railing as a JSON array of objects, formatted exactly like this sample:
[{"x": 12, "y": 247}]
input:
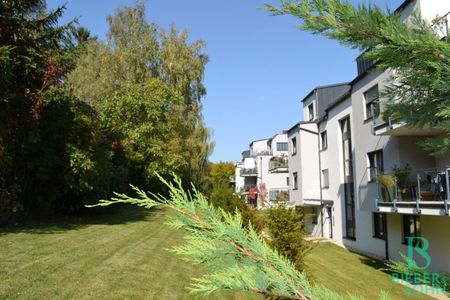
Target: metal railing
[
  {"x": 415, "y": 188},
  {"x": 249, "y": 172}
]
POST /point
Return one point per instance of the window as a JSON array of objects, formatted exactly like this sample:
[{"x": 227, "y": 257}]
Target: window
[
  {"x": 323, "y": 140},
  {"x": 325, "y": 179},
  {"x": 349, "y": 192},
  {"x": 372, "y": 99},
  {"x": 287, "y": 181},
  {"x": 294, "y": 175},
  {"x": 294, "y": 146},
  {"x": 311, "y": 112},
  {"x": 375, "y": 164},
  {"x": 379, "y": 225},
  {"x": 314, "y": 216},
  {"x": 411, "y": 228},
  {"x": 282, "y": 146}
]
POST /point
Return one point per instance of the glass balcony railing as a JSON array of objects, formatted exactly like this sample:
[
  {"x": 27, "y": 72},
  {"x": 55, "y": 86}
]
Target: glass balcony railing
[
  {"x": 249, "y": 172},
  {"x": 276, "y": 195},
  {"x": 414, "y": 189},
  {"x": 278, "y": 163}
]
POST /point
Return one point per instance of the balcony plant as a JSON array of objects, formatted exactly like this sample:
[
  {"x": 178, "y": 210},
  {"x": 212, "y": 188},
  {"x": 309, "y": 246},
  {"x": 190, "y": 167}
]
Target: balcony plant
[
  {"x": 386, "y": 181},
  {"x": 402, "y": 175}
]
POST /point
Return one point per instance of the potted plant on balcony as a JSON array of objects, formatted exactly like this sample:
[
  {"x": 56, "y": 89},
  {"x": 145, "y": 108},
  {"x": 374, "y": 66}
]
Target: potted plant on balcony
[
  {"x": 386, "y": 181},
  {"x": 402, "y": 175}
]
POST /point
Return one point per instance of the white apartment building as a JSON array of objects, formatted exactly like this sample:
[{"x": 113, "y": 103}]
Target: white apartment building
[
  {"x": 345, "y": 144},
  {"x": 262, "y": 174}
]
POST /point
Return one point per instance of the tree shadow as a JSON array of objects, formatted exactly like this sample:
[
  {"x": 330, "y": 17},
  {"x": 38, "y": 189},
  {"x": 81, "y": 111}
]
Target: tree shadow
[
  {"x": 118, "y": 214},
  {"x": 374, "y": 263}
]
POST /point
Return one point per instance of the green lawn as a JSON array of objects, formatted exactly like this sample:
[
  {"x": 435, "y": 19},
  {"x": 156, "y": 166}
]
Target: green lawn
[
  {"x": 347, "y": 272},
  {"x": 120, "y": 253},
  {"x": 117, "y": 254}
]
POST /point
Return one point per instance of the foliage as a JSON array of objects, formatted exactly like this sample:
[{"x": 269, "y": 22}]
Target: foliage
[
  {"x": 419, "y": 91},
  {"x": 222, "y": 197},
  {"x": 402, "y": 174},
  {"x": 386, "y": 181},
  {"x": 286, "y": 230},
  {"x": 138, "y": 52},
  {"x": 237, "y": 259},
  {"x": 403, "y": 267}
]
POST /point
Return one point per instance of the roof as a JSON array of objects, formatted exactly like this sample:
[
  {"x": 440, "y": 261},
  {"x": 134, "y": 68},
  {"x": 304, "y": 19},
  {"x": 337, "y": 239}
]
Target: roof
[
  {"x": 298, "y": 124},
  {"x": 323, "y": 87},
  {"x": 338, "y": 100}
]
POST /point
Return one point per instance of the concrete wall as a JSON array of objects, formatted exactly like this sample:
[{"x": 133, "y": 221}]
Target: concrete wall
[
  {"x": 294, "y": 166},
  {"x": 308, "y": 148}
]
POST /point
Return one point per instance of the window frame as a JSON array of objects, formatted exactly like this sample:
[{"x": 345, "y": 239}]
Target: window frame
[
  {"x": 310, "y": 108},
  {"x": 406, "y": 228},
  {"x": 379, "y": 222},
  {"x": 327, "y": 172},
  {"x": 284, "y": 144},
  {"x": 294, "y": 146},
  {"x": 376, "y": 157},
  {"x": 295, "y": 181},
  {"x": 323, "y": 137},
  {"x": 369, "y": 104}
]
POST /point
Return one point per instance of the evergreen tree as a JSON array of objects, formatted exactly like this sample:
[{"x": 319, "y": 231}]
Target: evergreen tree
[{"x": 419, "y": 91}]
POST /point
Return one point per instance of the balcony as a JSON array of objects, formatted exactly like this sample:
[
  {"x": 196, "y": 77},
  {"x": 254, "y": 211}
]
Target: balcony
[
  {"x": 398, "y": 127},
  {"x": 278, "y": 195},
  {"x": 247, "y": 172},
  {"x": 278, "y": 164},
  {"x": 421, "y": 192},
  {"x": 246, "y": 188}
]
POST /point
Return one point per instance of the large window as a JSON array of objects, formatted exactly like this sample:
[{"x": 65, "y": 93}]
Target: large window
[
  {"x": 411, "y": 228},
  {"x": 372, "y": 99},
  {"x": 282, "y": 146},
  {"x": 294, "y": 146},
  {"x": 379, "y": 225},
  {"x": 295, "y": 179},
  {"x": 311, "y": 112},
  {"x": 375, "y": 164},
  {"x": 325, "y": 179},
  {"x": 323, "y": 140},
  {"x": 349, "y": 192}
]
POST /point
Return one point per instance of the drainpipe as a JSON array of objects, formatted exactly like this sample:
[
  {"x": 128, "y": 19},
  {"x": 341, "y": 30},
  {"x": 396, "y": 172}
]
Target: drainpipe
[{"x": 320, "y": 178}]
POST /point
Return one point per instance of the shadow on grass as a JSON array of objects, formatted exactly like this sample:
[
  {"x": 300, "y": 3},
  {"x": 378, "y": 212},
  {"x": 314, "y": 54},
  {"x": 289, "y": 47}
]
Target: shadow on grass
[
  {"x": 112, "y": 215},
  {"x": 374, "y": 263}
]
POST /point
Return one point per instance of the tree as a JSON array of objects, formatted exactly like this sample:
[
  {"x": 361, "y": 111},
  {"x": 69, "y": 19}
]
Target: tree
[
  {"x": 138, "y": 52},
  {"x": 419, "y": 91}
]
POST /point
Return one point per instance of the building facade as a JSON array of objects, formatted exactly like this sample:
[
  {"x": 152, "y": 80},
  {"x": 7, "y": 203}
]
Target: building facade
[
  {"x": 262, "y": 174},
  {"x": 362, "y": 178}
]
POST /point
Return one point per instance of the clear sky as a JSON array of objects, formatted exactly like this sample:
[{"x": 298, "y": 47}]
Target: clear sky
[{"x": 260, "y": 66}]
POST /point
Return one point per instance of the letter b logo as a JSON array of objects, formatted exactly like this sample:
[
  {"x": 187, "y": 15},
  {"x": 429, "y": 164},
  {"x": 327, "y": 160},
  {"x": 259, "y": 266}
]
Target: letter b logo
[{"x": 421, "y": 250}]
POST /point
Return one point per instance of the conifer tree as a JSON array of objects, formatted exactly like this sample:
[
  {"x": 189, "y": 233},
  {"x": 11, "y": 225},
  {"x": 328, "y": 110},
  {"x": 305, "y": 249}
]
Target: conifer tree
[{"x": 419, "y": 91}]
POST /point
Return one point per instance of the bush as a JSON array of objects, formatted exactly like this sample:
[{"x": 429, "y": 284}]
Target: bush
[{"x": 285, "y": 226}]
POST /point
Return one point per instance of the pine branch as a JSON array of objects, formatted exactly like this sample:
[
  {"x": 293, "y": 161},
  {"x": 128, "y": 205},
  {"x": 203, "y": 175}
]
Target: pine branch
[{"x": 237, "y": 259}]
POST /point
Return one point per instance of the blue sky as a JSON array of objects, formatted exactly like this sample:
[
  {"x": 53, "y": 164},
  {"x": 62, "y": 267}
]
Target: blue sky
[{"x": 260, "y": 66}]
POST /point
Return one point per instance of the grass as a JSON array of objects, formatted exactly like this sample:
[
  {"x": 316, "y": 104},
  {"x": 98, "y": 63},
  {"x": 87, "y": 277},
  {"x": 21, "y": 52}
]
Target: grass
[
  {"x": 121, "y": 253},
  {"x": 347, "y": 272},
  {"x": 116, "y": 253}
]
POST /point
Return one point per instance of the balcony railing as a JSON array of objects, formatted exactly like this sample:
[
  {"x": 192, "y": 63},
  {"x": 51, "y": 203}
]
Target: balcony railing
[
  {"x": 276, "y": 195},
  {"x": 278, "y": 164},
  {"x": 249, "y": 172},
  {"x": 246, "y": 188},
  {"x": 424, "y": 191}
]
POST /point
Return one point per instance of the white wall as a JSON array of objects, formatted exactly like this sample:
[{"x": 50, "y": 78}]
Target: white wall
[
  {"x": 332, "y": 159},
  {"x": 308, "y": 148}
]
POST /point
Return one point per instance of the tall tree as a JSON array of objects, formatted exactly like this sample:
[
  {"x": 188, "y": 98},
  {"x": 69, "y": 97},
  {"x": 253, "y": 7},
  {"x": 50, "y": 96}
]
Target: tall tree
[
  {"x": 419, "y": 91},
  {"x": 136, "y": 52}
]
